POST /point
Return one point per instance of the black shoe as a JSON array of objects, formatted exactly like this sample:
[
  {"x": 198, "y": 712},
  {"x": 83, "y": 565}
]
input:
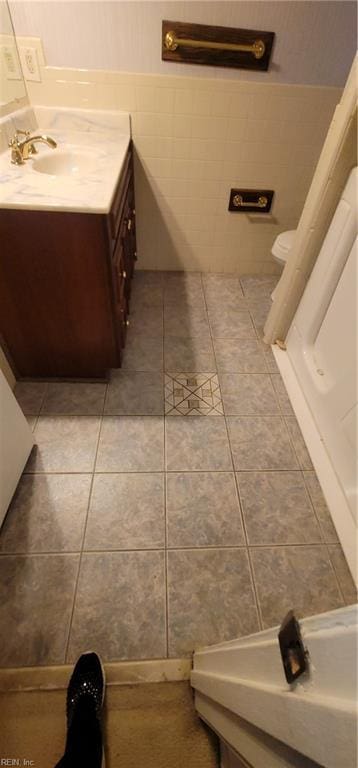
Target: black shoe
[{"x": 86, "y": 686}]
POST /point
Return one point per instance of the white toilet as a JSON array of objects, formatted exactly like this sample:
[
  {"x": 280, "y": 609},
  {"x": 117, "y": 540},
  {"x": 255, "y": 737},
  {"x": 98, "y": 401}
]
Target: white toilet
[
  {"x": 282, "y": 246},
  {"x": 281, "y": 249}
]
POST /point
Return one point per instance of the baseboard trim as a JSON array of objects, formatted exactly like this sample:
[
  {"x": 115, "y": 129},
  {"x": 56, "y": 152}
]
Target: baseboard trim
[{"x": 117, "y": 673}]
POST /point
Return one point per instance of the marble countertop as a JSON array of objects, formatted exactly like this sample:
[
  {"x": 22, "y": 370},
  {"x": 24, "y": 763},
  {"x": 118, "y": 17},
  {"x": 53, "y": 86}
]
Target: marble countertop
[{"x": 103, "y": 136}]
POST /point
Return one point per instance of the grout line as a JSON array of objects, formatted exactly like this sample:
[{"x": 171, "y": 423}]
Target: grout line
[
  {"x": 65, "y": 553},
  {"x": 43, "y": 398},
  {"x": 277, "y": 414},
  {"x": 313, "y": 507},
  {"x": 295, "y": 452},
  {"x": 156, "y": 471},
  {"x": 166, "y": 579},
  {"x": 84, "y": 530},
  {"x": 252, "y": 573},
  {"x": 174, "y": 548},
  {"x": 34, "y": 426},
  {"x": 281, "y": 405},
  {"x": 165, "y": 489},
  {"x": 253, "y": 584},
  {"x": 340, "y": 590},
  {"x": 97, "y": 415}
]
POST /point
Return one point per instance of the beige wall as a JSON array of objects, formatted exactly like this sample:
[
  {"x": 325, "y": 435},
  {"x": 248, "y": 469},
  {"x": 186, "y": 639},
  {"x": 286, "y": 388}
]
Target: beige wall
[{"x": 196, "y": 138}]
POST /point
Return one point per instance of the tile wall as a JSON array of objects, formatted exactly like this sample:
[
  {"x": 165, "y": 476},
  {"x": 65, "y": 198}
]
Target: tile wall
[{"x": 196, "y": 138}]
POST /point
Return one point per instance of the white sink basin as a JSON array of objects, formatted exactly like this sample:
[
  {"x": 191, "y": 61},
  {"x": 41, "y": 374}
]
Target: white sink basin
[
  {"x": 81, "y": 174},
  {"x": 65, "y": 163}
]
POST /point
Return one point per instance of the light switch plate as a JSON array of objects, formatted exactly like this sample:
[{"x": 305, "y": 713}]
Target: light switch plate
[{"x": 10, "y": 62}]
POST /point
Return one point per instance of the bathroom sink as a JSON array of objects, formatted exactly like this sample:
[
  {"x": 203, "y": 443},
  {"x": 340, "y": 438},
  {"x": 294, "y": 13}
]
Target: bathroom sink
[
  {"x": 65, "y": 163},
  {"x": 78, "y": 175}
]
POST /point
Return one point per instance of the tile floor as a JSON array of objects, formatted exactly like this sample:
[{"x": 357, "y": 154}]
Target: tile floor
[{"x": 143, "y": 535}]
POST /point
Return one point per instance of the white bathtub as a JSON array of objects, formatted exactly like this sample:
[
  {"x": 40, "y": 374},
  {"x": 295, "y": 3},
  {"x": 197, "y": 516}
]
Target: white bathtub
[{"x": 321, "y": 365}]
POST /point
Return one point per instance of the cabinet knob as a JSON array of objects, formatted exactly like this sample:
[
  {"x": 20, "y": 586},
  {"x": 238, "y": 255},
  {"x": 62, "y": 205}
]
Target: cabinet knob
[
  {"x": 129, "y": 225},
  {"x": 126, "y": 322},
  {"x": 124, "y": 274}
]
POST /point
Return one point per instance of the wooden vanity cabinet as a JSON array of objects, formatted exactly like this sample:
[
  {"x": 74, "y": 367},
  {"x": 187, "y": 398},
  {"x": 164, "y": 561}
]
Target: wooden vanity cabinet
[{"x": 65, "y": 287}]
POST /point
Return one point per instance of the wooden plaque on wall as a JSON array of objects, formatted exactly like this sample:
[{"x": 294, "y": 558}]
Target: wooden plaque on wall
[{"x": 196, "y": 39}]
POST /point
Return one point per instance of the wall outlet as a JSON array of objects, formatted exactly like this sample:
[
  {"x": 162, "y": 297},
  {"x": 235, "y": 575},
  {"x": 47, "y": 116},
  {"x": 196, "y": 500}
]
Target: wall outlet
[
  {"x": 30, "y": 64},
  {"x": 10, "y": 62}
]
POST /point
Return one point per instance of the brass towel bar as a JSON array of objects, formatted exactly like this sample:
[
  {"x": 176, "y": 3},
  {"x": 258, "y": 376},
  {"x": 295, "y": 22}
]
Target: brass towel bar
[
  {"x": 172, "y": 43},
  {"x": 239, "y": 203}
]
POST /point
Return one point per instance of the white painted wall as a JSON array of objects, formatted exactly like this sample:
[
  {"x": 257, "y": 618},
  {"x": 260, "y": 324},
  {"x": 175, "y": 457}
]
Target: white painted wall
[
  {"x": 16, "y": 441},
  {"x": 315, "y": 41},
  {"x": 6, "y": 370}
]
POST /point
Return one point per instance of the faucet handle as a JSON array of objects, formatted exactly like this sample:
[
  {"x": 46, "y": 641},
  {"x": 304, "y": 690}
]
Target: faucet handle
[{"x": 14, "y": 141}]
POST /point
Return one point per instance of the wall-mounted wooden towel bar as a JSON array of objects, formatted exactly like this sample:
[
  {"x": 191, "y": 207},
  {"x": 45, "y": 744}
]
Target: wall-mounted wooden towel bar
[
  {"x": 216, "y": 46},
  {"x": 172, "y": 43}
]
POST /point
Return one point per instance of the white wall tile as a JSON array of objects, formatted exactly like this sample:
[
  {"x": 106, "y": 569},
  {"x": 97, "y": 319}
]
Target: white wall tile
[
  {"x": 209, "y": 127},
  {"x": 220, "y": 103},
  {"x": 195, "y": 139},
  {"x": 240, "y": 105},
  {"x": 158, "y": 167},
  {"x": 207, "y": 149},
  {"x": 183, "y": 102},
  {"x": 182, "y": 126},
  {"x": 181, "y": 149},
  {"x": 149, "y": 146},
  {"x": 236, "y": 129},
  {"x": 154, "y": 124}
]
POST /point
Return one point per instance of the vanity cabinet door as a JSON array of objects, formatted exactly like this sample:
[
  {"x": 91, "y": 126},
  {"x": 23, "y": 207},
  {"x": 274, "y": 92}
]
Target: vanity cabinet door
[
  {"x": 121, "y": 312},
  {"x": 119, "y": 286},
  {"x": 122, "y": 195},
  {"x": 131, "y": 253},
  {"x": 131, "y": 244},
  {"x": 126, "y": 240},
  {"x": 121, "y": 226},
  {"x": 56, "y": 299}
]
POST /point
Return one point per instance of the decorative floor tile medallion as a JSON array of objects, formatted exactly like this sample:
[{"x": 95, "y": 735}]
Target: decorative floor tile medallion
[{"x": 192, "y": 394}]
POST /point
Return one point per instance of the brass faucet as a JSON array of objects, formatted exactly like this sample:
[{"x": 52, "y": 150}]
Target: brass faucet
[{"x": 22, "y": 150}]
